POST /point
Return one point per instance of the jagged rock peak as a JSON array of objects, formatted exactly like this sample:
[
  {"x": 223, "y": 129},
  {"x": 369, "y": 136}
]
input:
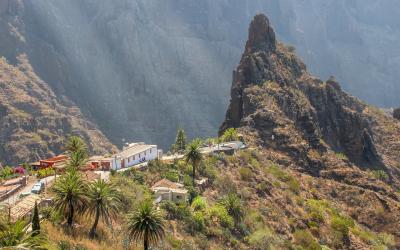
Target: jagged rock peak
[{"x": 261, "y": 35}]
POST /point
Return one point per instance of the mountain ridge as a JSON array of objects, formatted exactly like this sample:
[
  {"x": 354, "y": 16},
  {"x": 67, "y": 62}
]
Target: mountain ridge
[
  {"x": 315, "y": 128},
  {"x": 141, "y": 61}
]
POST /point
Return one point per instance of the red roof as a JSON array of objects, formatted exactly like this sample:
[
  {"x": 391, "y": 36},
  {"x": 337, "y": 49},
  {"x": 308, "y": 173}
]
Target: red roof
[{"x": 55, "y": 159}]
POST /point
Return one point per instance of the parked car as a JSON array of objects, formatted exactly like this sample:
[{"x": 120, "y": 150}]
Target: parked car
[{"x": 38, "y": 188}]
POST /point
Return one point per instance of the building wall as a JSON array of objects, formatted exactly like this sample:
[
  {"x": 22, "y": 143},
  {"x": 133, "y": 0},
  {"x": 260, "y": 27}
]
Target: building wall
[
  {"x": 178, "y": 197},
  {"x": 133, "y": 160}
]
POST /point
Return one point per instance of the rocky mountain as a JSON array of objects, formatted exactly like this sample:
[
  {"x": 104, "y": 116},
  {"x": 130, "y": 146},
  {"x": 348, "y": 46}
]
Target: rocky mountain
[
  {"x": 34, "y": 122},
  {"x": 348, "y": 149},
  {"x": 141, "y": 69}
]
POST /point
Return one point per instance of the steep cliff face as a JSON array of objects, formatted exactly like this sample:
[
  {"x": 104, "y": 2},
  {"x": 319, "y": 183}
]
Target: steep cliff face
[
  {"x": 330, "y": 117},
  {"x": 34, "y": 122},
  {"x": 141, "y": 69},
  {"x": 314, "y": 127}
]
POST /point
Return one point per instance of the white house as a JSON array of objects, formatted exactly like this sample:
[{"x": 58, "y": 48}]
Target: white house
[
  {"x": 165, "y": 190},
  {"x": 133, "y": 154}
]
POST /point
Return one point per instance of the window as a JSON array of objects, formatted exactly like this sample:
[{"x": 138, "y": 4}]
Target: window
[
  {"x": 145, "y": 152},
  {"x": 179, "y": 197},
  {"x": 150, "y": 151}
]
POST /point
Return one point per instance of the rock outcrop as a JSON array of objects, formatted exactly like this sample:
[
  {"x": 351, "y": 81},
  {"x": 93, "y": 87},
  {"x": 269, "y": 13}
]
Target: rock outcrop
[{"x": 313, "y": 126}]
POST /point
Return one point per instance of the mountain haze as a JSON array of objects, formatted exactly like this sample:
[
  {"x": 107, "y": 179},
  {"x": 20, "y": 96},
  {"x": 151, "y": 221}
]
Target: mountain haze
[{"x": 141, "y": 69}]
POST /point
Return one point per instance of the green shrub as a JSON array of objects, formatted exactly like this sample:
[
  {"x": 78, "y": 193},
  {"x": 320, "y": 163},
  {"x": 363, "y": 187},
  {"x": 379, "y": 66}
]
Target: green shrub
[
  {"x": 43, "y": 173},
  {"x": 254, "y": 163},
  {"x": 341, "y": 156},
  {"x": 386, "y": 239},
  {"x": 226, "y": 185},
  {"x": 172, "y": 176},
  {"x": 174, "y": 243},
  {"x": 64, "y": 245},
  {"x": 263, "y": 238},
  {"x": 254, "y": 220},
  {"x": 199, "y": 203},
  {"x": 293, "y": 185},
  {"x": 201, "y": 242},
  {"x": 7, "y": 173},
  {"x": 277, "y": 172},
  {"x": 138, "y": 176},
  {"x": 174, "y": 211},
  {"x": 199, "y": 221},
  {"x": 219, "y": 212},
  {"x": 133, "y": 193},
  {"x": 305, "y": 239},
  {"x": 262, "y": 187},
  {"x": 209, "y": 171},
  {"x": 245, "y": 174},
  {"x": 193, "y": 193},
  {"x": 233, "y": 204},
  {"x": 187, "y": 180},
  {"x": 230, "y": 134},
  {"x": 316, "y": 216},
  {"x": 342, "y": 224},
  {"x": 380, "y": 175},
  {"x": 45, "y": 212}
]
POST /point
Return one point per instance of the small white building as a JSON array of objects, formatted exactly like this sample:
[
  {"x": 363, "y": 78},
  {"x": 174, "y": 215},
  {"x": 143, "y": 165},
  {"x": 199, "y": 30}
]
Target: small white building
[
  {"x": 133, "y": 154},
  {"x": 165, "y": 190}
]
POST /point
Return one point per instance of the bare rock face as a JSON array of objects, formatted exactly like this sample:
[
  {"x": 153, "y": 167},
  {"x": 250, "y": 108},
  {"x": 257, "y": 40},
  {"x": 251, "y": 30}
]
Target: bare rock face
[
  {"x": 396, "y": 113},
  {"x": 261, "y": 35},
  {"x": 310, "y": 125},
  {"x": 325, "y": 116}
]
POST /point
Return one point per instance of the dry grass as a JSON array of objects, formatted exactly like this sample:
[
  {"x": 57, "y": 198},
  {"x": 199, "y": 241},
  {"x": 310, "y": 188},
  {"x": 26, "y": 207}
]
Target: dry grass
[{"x": 111, "y": 238}]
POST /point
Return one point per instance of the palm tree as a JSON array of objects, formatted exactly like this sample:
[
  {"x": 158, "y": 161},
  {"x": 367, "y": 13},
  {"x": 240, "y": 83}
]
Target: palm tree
[
  {"x": 70, "y": 192},
  {"x": 103, "y": 201},
  {"x": 147, "y": 224},
  {"x": 193, "y": 156},
  {"x": 77, "y": 160},
  {"x": 76, "y": 144},
  {"x": 14, "y": 236}
]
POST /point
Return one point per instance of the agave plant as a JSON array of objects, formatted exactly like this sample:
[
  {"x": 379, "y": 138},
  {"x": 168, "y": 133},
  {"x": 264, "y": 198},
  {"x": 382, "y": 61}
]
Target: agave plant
[{"x": 14, "y": 236}]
